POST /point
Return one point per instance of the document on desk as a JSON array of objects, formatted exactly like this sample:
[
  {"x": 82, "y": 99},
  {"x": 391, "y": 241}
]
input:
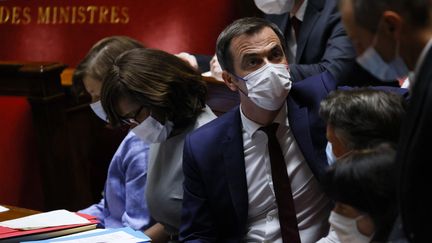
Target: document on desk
[
  {"x": 44, "y": 220},
  {"x": 3, "y": 209},
  {"x": 119, "y": 235}
]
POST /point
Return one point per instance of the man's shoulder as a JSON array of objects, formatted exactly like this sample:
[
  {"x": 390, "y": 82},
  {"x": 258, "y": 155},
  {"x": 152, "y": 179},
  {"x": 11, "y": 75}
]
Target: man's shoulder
[
  {"x": 322, "y": 82},
  {"x": 216, "y": 127},
  {"x": 323, "y": 5}
]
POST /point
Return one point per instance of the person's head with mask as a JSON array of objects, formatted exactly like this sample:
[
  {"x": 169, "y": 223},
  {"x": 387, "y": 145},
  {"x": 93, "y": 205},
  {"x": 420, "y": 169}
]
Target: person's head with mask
[
  {"x": 388, "y": 35},
  {"x": 90, "y": 72},
  {"x": 251, "y": 52},
  {"x": 362, "y": 184},
  {"x": 357, "y": 117},
  {"x": 157, "y": 94},
  {"x": 277, "y": 6}
]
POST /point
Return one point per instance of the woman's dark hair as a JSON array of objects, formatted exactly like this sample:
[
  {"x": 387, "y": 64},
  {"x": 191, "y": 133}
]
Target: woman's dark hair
[
  {"x": 156, "y": 80},
  {"x": 366, "y": 180},
  {"x": 100, "y": 58}
]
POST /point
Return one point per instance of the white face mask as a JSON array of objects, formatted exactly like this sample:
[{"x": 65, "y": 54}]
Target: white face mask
[
  {"x": 346, "y": 229},
  {"x": 268, "y": 86},
  {"x": 331, "y": 157},
  {"x": 373, "y": 63},
  {"x": 371, "y": 60},
  {"x": 152, "y": 131},
  {"x": 275, "y": 6},
  {"x": 99, "y": 111}
]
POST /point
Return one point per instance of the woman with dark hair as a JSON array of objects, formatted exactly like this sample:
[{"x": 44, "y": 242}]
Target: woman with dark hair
[
  {"x": 127, "y": 171},
  {"x": 162, "y": 98},
  {"x": 362, "y": 185},
  {"x": 90, "y": 72}
]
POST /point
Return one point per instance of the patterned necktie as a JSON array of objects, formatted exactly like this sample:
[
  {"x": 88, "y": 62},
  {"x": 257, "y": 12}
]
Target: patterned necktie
[{"x": 282, "y": 188}]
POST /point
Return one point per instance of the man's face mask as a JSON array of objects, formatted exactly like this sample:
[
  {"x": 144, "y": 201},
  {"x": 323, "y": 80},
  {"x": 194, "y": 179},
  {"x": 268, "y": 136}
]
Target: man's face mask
[
  {"x": 99, "y": 111},
  {"x": 331, "y": 157},
  {"x": 152, "y": 131},
  {"x": 371, "y": 60},
  {"x": 275, "y": 6},
  {"x": 268, "y": 86}
]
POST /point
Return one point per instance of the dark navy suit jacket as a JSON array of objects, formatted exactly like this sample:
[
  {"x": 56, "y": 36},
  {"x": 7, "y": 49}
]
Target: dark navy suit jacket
[
  {"x": 324, "y": 45},
  {"x": 414, "y": 158},
  {"x": 215, "y": 203}
]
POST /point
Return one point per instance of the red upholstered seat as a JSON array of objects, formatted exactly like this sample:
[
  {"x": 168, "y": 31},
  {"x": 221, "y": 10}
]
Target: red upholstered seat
[{"x": 20, "y": 183}]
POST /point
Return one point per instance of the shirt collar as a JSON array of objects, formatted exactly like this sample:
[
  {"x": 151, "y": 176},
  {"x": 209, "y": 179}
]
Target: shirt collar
[
  {"x": 250, "y": 127},
  {"x": 301, "y": 11},
  {"x": 422, "y": 57}
]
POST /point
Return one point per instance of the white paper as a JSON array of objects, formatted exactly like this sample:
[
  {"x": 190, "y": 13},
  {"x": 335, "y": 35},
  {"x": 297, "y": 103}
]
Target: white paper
[
  {"x": 80, "y": 234},
  {"x": 115, "y": 237},
  {"x": 3, "y": 209},
  {"x": 43, "y": 220}
]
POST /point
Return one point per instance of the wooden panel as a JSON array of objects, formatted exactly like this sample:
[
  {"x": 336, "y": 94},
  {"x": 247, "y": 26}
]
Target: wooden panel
[{"x": 74, "y": 146}]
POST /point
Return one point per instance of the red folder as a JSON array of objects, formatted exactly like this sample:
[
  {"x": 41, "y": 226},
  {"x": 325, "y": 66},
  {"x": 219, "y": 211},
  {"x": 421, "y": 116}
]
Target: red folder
[{"x": 14, "y": 235}]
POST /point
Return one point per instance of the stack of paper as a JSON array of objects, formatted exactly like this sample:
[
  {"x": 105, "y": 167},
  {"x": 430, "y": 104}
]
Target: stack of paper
[
  {"x": 44, "y": 220},
  {"x": 3, "y": 209},
  {"x": 121, "y": 235},
  {"x": 45, "y": 225}
]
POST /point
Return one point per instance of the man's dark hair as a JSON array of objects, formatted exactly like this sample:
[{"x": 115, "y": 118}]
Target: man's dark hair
[
  {"x": 368, "y": 13},
  {"x": 248, "y": 26},
  {"x": 362, "y": 115}
]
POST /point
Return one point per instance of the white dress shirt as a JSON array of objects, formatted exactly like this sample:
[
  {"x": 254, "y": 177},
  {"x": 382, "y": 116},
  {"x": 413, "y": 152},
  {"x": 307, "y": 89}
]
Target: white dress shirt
[
  {"x": 312, "y": 206},
  {"x": 292, "y": 41}
]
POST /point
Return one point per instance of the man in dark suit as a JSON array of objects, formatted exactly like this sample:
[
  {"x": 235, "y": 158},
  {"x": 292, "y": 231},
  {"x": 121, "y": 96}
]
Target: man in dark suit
[
  {"x": 318, "y": 42},
  {"x": 394, "y": 27},
  {"x": 231, "y": 193}
]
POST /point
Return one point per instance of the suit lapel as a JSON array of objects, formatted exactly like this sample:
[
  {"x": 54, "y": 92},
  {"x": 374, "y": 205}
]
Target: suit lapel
[
  {"x": 312, "y": 14},
  {"x": 233, "y": 157},
  {"x": 299, "y": 124}
]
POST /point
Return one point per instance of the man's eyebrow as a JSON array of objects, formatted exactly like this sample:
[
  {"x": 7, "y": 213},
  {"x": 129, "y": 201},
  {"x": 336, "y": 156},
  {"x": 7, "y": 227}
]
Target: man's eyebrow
[
  {"x": 249, "y": 55},
  {"x": 276, "y": 47}
]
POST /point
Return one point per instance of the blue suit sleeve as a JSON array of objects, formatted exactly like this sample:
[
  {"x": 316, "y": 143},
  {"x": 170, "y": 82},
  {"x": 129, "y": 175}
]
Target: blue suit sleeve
[
  {"x": 95, "y": 210},
  {"x": 338, "y": 57},
  {"x": 197, "y": 225}
]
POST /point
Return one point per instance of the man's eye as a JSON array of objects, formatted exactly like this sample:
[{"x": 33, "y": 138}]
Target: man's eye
[
  {"x": 252, "y": 62},
  {"x": 277, "y": 54}
]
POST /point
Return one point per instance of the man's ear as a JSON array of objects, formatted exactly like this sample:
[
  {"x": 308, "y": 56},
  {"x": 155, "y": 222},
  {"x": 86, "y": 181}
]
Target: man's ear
[
  {"x": 229, "y": 80},
  {"x": 393, "y": 22}
]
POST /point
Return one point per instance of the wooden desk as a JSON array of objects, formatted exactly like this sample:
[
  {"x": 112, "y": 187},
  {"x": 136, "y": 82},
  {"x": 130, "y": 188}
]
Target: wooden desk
[
  {"x": 16, "y": 212},
  {"x": 12, "y": 235}
]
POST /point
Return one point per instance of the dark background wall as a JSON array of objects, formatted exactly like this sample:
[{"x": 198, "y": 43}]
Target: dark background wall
[{"x": 54, "y": 151}]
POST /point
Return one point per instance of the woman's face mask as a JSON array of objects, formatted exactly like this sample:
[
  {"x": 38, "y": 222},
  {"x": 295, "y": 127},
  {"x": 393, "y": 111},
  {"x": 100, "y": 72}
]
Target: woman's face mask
[
  {"x": 152, "y": 131},
  {"x": 99, "y": 111},
  {"x": 346, "y": 229}
]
